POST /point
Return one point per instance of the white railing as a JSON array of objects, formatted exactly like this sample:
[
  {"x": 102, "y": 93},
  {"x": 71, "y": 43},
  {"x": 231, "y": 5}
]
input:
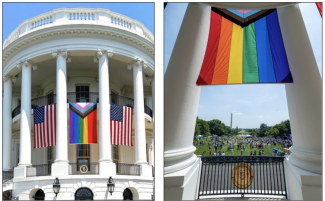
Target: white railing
[{"x": 68, "y": 16}]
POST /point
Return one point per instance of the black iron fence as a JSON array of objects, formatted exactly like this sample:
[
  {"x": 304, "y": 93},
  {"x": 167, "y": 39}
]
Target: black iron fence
[
  {"x": 82, "y": 169},
  {"x": 81, "y": 97},
  {"x": 263, "y": 175},
  {"x": 39, "y": 170},
  {"x": 7, "y": 175},
  {"x": 127, "y": 169}
]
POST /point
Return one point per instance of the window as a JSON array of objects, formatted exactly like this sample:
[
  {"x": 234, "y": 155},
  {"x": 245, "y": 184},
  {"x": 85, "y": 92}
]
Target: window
[
  {"x": 50, "y": 97},
  {"x": 115, "y": 154},
  {"x": 50, "y": 158},
  {"x": 82, "y": 93},
  {"x": 83, "y": 156},
  {"x": 114, "y": 97}
]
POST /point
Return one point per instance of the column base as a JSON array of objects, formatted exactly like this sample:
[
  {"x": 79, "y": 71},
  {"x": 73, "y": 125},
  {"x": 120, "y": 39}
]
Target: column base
[
  {"x": 183, "y": 184},
  {"x": 20, "y": 172},
  {"x": 59, "y": 169},
  {"x": 107, "y": 168},
  {"x": 302, "y": 184},
  {"x": 146, "y": 171}
]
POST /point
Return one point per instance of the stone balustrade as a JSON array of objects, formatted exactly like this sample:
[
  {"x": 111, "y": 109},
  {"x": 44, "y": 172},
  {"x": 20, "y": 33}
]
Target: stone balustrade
[{"x": 66, "y": 16}]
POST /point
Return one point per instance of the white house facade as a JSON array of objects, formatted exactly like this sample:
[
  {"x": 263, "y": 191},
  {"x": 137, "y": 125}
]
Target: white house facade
[{"x": 78, "y": 55}]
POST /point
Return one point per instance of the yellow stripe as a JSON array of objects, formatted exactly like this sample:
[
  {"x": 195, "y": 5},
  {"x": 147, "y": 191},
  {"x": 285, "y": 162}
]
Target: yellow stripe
[
  {"x": 235, "y": 72},
  {"x": 85, "y": 130}
]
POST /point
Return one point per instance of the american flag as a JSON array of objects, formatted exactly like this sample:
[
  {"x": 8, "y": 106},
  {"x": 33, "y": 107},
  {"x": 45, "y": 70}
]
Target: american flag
[
  {"x": 121, "y": 125},
  {"x": 45, "y": 126}
]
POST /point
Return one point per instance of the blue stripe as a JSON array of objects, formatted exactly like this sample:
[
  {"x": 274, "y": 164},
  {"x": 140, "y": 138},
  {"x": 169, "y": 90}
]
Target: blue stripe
[
  {"x": 264, "y": 55},
  {"x": 280, "y": 62}
]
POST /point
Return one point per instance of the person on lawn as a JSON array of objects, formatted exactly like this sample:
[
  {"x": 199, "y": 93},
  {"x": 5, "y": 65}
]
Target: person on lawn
[
  {"x": 223, "y": 153},
  {"x": 254, "y": 152}
]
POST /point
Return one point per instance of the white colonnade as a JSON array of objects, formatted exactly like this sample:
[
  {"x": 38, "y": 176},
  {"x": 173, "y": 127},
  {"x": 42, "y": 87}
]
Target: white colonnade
[
  {"x": 61, "y": 165},
  {"x": 6, "y": 122},
  {"x": 181, "y": 103},
  {"x": 303, "y": 169},
  {"x": 106, "y": 165}
]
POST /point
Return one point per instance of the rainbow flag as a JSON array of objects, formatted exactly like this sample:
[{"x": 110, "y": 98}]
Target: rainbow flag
[
  {"x": 83, "y": 123},
  {"x": 239, "y": 52}
]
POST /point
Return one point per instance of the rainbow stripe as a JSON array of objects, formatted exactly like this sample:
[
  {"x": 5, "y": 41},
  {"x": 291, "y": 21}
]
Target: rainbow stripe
[
  {"x": 83, "y": 123},
  {"x": 237, "y": 55}
]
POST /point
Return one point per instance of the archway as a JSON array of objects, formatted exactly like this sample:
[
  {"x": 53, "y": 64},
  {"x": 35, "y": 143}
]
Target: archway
[
  {"x": 84, "y": 194},
  {"x": 39, "y": 195},
  {"x": 127, "y": 194}
]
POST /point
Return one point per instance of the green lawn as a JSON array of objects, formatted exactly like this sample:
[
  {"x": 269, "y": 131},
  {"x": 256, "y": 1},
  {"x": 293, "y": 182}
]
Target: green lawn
[{"x": 266, "y": 149}]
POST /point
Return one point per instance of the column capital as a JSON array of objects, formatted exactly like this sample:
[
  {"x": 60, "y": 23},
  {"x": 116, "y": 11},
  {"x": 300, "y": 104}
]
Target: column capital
[
  {"x": 6, "y": 78},
  {"x": 27, "y": 63},
  {"x": 101, "y": 52},
  {"x": 144, "y": 64},
  {"x": 64, "y": 52},
  {"x": 133, "y": 63}
]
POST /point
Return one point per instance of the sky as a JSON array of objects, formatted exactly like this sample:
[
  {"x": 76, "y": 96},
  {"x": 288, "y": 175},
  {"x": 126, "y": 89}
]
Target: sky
[
  {"x": 251, "y": 104},
  {"x": 143, "y": 12}
]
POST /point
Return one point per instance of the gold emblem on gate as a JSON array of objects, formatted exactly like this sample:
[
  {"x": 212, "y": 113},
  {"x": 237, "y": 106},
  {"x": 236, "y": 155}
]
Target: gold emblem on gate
[
  {"x": 242, "y": 175},
  {"x": 83, "y": 169}
]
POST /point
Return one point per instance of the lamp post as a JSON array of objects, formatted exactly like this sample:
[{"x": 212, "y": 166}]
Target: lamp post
[
  {"x": 56, "y": 186},
  {"x": 110, "y": 185}
]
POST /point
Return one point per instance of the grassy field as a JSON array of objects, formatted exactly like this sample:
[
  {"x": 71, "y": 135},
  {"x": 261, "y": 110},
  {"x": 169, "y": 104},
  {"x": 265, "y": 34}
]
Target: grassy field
[{"x": 266, "y": 149}]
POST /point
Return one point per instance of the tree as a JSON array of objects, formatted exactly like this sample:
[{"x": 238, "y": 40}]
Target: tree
[
  {"x": 263, "y": 129},
  {"x": 274, "y": 132},
  {"x": 197, "y": 127}
]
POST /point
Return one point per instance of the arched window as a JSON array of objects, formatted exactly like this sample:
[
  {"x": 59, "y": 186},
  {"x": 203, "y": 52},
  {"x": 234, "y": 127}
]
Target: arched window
[
  {"x": 84, "y": 194},
  {"x": 39, "y": 195},
  {"x": 127, "y": 194}
]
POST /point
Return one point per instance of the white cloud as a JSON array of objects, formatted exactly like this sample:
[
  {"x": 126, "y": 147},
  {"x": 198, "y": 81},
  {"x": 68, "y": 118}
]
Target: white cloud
[
  {"x": 236, "y": 112},
  {"x": 259, "y": 116}
]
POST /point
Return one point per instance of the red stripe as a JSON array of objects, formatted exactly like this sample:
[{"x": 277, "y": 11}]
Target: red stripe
[
  {"x": 111, "y": 130},
  {"x": 131, "y": 127},
  {"x": 41, "y": 133},
  {"x": 47, "y": 126},
  {"x": 50, "y": 126},
  {"x": 35, "y": 135},
  {"x": 54, "y": 124},
  {"x": 124, "y": 127},
  {"x": 207, "y": 69}
]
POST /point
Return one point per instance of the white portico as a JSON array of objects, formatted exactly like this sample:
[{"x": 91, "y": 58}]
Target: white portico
[
  {"x": 303, "y": 168},
  {"x": 78, "y": 55}
]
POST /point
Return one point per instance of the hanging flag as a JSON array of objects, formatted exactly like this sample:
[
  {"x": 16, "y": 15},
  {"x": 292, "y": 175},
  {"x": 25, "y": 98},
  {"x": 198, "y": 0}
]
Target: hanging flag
[
  {"x": 44, "y": 126},
  {"x": 320, "y": 8},
  {"x": 83, "y": 123},
  {"x": 247, "y": 51},
  {"x": 121, "y": 125}
]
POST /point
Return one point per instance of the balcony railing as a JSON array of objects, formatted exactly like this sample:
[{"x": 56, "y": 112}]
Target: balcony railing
[
  {"x": 7, "y": 175},
  {"x": 39, "y": 170},
  {"x": 81, "y": 97},
  {"x": 75, "y": 169},
  {"x": 127, "y": 169},
  {"x": 72, "y": 16}
]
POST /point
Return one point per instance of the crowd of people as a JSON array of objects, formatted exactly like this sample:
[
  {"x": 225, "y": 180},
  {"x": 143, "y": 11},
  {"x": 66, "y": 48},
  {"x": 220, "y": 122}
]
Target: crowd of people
[{"x": 239, "y": 142}]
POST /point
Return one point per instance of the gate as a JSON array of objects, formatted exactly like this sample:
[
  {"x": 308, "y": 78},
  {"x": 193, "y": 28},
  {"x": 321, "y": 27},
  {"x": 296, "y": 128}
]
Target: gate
[{"x": 262, "y": 175}]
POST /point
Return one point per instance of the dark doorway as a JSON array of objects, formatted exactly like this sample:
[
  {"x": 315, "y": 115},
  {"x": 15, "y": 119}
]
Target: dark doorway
[
  {"x": 84, "y": 194},
  {"x": 39, "y": 195},
  {"x": 127, "y": 194}
]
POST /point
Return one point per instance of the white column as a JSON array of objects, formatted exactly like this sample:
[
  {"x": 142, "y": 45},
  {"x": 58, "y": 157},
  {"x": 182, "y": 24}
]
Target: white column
[
  {"x": 6, "y": 122},
  {"x": 303, "y": 169},
  {"x": 181, "y": 97},
  {"x": 61, "y": 166},
  {"x": 25, "y": 115},
  {"x": 106, "y": 165},
  {"x": 139, "y": 121}
]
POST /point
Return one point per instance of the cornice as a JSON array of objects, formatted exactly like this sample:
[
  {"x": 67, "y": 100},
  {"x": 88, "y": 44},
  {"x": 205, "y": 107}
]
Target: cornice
[{"x": 89, "y": 29}]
